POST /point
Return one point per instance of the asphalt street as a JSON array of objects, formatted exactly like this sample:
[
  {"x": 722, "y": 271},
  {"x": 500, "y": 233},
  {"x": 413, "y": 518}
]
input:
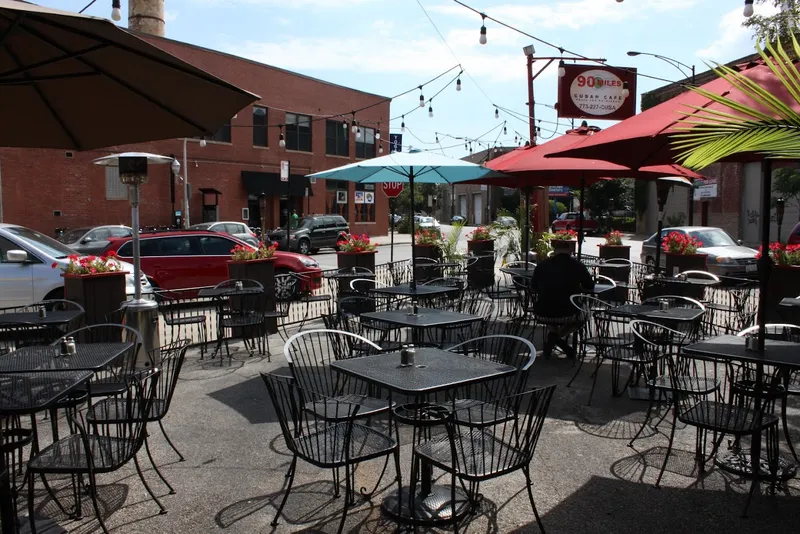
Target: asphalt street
[{"x": 327, "y": 258}]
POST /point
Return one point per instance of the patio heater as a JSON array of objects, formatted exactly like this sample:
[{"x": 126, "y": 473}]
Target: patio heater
[
  {"x": 780, "y": 205},
  {"x": 139, "y": 313}
]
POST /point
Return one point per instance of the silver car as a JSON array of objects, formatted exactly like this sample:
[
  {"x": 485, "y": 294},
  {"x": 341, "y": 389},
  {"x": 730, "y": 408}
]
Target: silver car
[
  {"x": 93, "y": 239},
  {"x": 726, "y": 256},
  {"x": 236, "y": 229}
]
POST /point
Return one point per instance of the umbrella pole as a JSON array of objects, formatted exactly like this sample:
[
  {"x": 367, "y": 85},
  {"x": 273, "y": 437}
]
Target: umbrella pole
[
  {"x": 413, "y": 243},
  {"x": 766, "y": 262},
  {"x": 526, "y": 245},
  {"x": 580, "y": 219}
]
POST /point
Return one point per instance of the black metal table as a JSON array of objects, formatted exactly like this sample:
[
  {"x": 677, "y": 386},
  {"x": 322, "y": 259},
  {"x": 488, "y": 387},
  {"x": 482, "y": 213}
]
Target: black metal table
[
  {"x": 784, "y": 354},
  {"x": 425, "y": 318},
  {"x": 419, "y": 292},
  {"x": 88, "y": 357},
  {"x": 521, "y": 272},
  {"x": 656, "y": 315},
  {"x": 53, "y": 318},
  {"x": 602, "y": 288},
  {"x": 435, "y": 371},
  {"x": 27, "y": 394}
]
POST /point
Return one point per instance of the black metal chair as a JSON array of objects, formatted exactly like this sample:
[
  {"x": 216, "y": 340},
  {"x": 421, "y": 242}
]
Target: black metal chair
[
  {"x": 185, "y": 318},
  {"x": 323, "y": 432},
  {"x": 114, "y": 408},
  {"x": 16, "y": 335},
  {"x": 348, "y": 317},
  {"x": 473, "y": 452},
  {"x": 114, "y": 379},
  {"x": 692, "y": 329},
  {"x": 107, "y": 446},
  {"x": 13, "y": 441},
  {"x": 243, "y": 315}
]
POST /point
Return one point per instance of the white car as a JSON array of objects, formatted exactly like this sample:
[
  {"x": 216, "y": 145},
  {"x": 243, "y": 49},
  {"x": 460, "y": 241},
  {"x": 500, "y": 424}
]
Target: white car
[
  {"x": 428, "y": 223},
  {"x": 26, "y": 267}
]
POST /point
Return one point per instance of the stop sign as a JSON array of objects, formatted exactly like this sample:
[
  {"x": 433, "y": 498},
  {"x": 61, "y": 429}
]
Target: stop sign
[{"x": 392, "y": 189}]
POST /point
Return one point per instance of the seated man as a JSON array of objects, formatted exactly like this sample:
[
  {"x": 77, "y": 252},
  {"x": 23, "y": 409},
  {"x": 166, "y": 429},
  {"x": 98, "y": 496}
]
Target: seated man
[{"x": 554, "y": 281}]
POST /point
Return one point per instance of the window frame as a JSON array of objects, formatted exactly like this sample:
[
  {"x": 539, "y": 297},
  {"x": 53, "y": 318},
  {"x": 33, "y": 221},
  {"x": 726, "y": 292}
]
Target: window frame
[
  {"x": 293, "y": 134},
  {"x": 362, "y": 144},
  {"x": 223, "y": 135},
  {"x": 337, "y": 138}
]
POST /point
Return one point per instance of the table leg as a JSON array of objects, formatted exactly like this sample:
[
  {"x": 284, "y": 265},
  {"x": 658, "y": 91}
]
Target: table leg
[{"x": 7, "y": 515}]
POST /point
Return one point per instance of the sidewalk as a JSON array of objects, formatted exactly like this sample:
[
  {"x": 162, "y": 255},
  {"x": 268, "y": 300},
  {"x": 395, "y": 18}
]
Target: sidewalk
[{"x": 386, "y": 240}]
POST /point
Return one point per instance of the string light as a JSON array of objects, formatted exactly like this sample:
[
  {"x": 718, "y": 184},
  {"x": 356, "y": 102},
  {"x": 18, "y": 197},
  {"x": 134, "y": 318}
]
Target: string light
[
  {"x": 437, "y": 138},
  {"x": 421, "y": 98},
  {"x": 378, "y": 131},
  {"x": 748, "y": 8},
  {"x": 562, "y": 69},
  {"x": 625, "y": 91},
  {"x": 344, "y": 124},
  {"x": 430, "y": 110},
  {"x": 116, "y": 15},
  {"x": 496, "y": 113},
  {"x": 516, "y": 138},
  {"x": 380, "y": 149},
  {"x": 504, "y": 130},
  {"x": 403, "y": 124},
  {"x": 354, "y": 128},
  {"x": 281, "y": 140},
  {"x": 458, "y": 84},
  {"x": 482, "y": 39}
]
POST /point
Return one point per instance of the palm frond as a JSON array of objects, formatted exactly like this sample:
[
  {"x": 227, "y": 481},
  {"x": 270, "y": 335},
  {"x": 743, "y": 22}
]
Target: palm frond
[{"x": 705, "y": 136}]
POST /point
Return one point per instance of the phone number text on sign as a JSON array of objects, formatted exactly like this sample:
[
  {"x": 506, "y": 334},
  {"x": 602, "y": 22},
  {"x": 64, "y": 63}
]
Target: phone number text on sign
[{"x": 597, "y": 92}]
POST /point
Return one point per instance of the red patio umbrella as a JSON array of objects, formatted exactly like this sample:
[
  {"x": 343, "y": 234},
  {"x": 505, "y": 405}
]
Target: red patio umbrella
[
  {"x": 530, "y": 166},
  {"x": 644, "y": 139}
]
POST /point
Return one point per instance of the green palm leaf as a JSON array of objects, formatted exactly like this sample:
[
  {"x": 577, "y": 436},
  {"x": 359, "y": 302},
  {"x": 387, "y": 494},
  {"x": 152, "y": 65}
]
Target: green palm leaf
[{"x": 705, "y": 136}]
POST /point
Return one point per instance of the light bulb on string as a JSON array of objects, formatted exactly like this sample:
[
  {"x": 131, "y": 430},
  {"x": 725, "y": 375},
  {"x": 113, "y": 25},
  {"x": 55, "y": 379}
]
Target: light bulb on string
[
  {"x": 625, "y": 91},
  {"x": 116, "y": 14},
  {"x": 380, "y": 149},
  {"x": 281, "y": 140},
  {"x": 437, "y": 138},
  {"x": 458, "y": 84},
  {"x": 344, "y": 124},
  {"x": 515, "y": 138},
  {"x": 421, "y": 98},
  {"x": 354, "y": 128},
  {"x": 504, "y": 130},
  {"x": 378, "y": 132},
  {"x": 496, "y": 113},
  {"x": 748, "y": 8},
  {"x": 430, "y": 111},
  {"x": 482, "y": 39},
  {"x": 403, "y": 124},
  {"x": 562, "y": 69}
]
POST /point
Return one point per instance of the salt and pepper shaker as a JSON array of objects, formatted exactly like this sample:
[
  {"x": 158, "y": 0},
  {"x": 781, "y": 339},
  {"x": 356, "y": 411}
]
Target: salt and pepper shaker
[
  {"x": 64, "y": 346},
  {"x": 407, "y": 356},
  {"x": 42, "y": 312},
  {"x": 71, "y": 348},
  {"x": 663, "y": 304},
  {"x": 751, "y": 343},
  {"x": 239, "y": 285}
]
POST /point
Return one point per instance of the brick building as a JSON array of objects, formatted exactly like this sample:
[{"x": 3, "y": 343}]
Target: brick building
[
  {"x": 735, "y": 205},
  {"x": 236, "y": 176}
]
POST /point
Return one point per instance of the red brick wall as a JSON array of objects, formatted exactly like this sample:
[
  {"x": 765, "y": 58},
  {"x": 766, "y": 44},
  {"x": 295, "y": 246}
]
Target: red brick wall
[{"x": 36, "y": 182}]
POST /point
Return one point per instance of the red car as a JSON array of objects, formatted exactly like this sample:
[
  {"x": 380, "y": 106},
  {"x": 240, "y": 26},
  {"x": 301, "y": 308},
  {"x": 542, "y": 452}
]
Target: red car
[
  {"x": 198, "y": 258},
  {"x": 569, "y": 221}
]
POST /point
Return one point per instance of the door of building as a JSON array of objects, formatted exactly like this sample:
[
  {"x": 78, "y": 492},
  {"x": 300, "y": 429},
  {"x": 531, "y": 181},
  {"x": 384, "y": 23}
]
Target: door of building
[
  {"x": 462, "y": 205},
  {"x": 704, "y": 212},
  {"x": 477, "y": 209},
  {"x": 751, "y": 203}
]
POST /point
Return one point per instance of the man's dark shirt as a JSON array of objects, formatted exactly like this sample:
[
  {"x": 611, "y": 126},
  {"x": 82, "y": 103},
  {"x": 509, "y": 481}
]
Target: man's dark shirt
[{"x": 555, "y": 280}]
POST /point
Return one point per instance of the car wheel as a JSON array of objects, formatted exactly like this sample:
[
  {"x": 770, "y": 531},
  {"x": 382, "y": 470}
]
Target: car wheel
[
  {"x": 304, "y": 246},
  {"x": 286, "y": 288}
]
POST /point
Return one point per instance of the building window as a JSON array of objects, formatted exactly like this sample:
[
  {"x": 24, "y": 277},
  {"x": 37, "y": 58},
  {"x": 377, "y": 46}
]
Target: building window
[
  {"x": 364, "y": 203},
  {"x": 115, "y": 190},
  {"x": 336, "y": 201},
  {"x": 298, "y": 132},
  {"x": 223, "y": 135},
  {"x": 259, "y": 126},
  {"x": 336, "y": 140},
  {"x": 365, "y": 145}
]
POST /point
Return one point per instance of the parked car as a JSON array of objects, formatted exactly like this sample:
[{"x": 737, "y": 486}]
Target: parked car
[
  {"x": 198, "y": 258},
  {"x": 428, "y": 223},
  {"x": 794, "y": 235},
  {"x": 506, "y": 222},
  {"x": 27, "y": 274},
  {"x": 569, "y": 221},
  {"x": 313, "y": 232},
  {"x": 236, "y": 229},
  {"x": 92, "y": 239},
  {"x": 726, "y": 256},
  {"x": 397, "y": 219},
  {"x": 458, "y": 219}
]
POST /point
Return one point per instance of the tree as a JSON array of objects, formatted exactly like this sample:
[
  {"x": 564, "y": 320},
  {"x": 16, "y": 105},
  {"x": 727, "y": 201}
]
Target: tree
[
  {"x": 786, "y": 183},
  {"x": 603, "y": 197},
  {"x": 421, "y": 192},
  {"x": 781, "y": 25}
]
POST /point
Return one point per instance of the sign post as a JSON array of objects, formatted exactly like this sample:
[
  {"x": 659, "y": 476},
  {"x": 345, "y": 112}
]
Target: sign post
[
  {"x": 392, "y": 190},
  {"x": 285, "y": 168}
]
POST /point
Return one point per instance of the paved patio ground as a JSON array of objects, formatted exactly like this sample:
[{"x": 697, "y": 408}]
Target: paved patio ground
[{"x": 586, "y": 478}]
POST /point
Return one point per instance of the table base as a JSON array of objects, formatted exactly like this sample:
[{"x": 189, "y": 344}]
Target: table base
[
  {"x": 738, "y": 463},
  {"x": 434, "y": 509},
  {"x": 642, "y": 393}
]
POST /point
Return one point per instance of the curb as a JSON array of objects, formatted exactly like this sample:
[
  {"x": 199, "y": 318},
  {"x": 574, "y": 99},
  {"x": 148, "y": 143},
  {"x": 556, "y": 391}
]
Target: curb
[{"x": 396, "y": 243}]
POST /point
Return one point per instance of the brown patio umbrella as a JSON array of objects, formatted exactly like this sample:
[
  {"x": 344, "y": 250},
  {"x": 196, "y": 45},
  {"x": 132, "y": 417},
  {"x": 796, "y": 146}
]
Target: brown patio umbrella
[{"x": 76, "y": 82}]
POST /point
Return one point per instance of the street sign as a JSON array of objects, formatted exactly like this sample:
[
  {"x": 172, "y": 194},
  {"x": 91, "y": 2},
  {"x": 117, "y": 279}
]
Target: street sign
[
  {"x": 284, "y": 171},
  {"x": 392, "y": 189}
]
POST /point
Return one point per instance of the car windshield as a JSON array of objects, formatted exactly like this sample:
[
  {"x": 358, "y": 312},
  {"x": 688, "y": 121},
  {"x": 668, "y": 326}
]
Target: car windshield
[
  {"x": 713, "y": 238},
  {"x": 426, "y": 220},
  {"x": 73, "y": 235},
  {"x": 203, "y": 226},
  {"x": 46, "y": 244},
  {"x": 302, "y": 222}
]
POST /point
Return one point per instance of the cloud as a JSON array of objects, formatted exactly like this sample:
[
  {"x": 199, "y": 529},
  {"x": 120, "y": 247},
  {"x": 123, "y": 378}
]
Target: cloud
[
  {"x": 169, "y": 16},
  {"x": 733, "y": 39},
  {"x": 296, "y": 4}
]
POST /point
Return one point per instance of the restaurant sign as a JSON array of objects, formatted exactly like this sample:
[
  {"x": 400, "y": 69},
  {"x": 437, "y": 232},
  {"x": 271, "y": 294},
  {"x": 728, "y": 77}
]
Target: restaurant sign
[
  {"x": 596, "y": 91},
  {"x": 704, "y": 189}
]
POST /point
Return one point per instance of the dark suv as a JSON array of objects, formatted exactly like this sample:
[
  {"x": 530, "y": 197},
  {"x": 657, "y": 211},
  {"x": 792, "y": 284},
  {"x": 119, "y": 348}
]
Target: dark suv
[{"x": 311, "y": 233}]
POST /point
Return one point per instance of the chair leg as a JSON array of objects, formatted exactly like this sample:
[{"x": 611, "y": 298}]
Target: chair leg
[
  {"x": 153, "y": 463},
  {"x": 162, "y": 510},
  {"x": 31, "y": 478},
  {"x": 646, "y": 418},
  {"x": 577, "y": 371},
  {"x": 346, "y": 498},
  {"x": 290, "y": 475},
  {"x": 93, "y": 492},
  {"x": 529, "y": 485},
  {"x": 669, "y": 447},
  {"x": 785, "y": 424},
  {"x": 594, "y": 378},
  {"x": 166, "y": 436}
]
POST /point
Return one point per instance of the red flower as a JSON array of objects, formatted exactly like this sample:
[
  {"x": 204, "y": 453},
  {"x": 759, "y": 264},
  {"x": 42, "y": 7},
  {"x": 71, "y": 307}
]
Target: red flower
[{"x": 54, "y": 265}]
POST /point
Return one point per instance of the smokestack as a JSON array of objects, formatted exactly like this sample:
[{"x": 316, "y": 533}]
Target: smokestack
[{"x": 146, "y": 16}]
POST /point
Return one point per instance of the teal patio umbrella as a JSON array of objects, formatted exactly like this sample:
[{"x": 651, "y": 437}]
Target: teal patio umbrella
[{"x": 410, "y": 167}]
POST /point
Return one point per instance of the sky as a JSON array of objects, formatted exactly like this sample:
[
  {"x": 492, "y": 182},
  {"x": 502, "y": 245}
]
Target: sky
[{"x": 390, "y": 46}]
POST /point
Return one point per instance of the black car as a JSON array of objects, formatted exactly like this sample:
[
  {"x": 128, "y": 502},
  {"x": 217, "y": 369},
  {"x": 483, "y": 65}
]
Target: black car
[{"x": 311, "y": 233}]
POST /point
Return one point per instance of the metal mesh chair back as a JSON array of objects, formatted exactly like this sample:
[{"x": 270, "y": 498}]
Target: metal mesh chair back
[
  {"x": 613, "y": 330},
  {"x": 125, "y": 365},
  {"x": 653, "y": 342},
  {"x": 16, "y": 335},
  {"x": 65, "y": 305},
  {"x": 246, "y": 284},
  {"x": 503, "y": 349},
  {"x": 172, "y": 357},
  {"x": 691, "y": 328}
]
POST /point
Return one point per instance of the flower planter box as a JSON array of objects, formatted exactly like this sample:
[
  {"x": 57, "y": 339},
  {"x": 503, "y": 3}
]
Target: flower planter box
[
  {"x": 348, "y": 260},
  {"x": 678, "y": 263},
  {"x": 422, "y": 273},
  {"x": 480, "y": 273},
  {"x": 784, "y": 281},
  {"x": 608, "y": 252},
  {"x": 564, "y": 245},
  {"x": 99, "y": 294},
  {"x": 263, "y": 272}
]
